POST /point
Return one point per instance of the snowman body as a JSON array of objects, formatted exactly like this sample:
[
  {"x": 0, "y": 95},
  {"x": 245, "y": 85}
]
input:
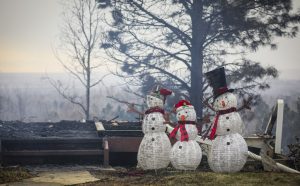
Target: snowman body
[
  {"x": 155, "y": 146},
  {"x": 230, "y": 123},
  {"x": 228, "y": 152},
  {"x": 186, "y": 155},
  {"x": 153, "y": 123}
]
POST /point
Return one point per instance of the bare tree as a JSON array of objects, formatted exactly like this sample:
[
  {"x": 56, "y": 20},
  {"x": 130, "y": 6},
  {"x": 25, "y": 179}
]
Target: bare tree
[
  {"x": 78, "y": 49},
  {"x": 175, "y": 42}
]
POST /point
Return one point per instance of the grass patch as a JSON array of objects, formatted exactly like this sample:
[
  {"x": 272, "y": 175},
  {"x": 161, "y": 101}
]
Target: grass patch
[
  {"x": 172, "y": 177},
  {"x": 13, "y": 174}
]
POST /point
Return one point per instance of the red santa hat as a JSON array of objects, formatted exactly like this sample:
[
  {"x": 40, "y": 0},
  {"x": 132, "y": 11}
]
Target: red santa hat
[
  {"x": 183, "y": 104},
  {"x": 161, "y": 93}
]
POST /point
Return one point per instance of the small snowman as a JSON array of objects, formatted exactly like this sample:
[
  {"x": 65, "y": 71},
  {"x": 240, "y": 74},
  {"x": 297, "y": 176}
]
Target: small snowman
[
  {"x": 186, "y": 153},
  {"x": 228, "y": 152},
  {"x": 155, "y": 147}
]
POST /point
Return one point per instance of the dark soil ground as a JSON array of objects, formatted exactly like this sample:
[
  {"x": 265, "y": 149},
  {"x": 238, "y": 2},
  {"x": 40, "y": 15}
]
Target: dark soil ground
[
  {"x": 132, "y": 176},
  {"x": 173, "y": 177}
]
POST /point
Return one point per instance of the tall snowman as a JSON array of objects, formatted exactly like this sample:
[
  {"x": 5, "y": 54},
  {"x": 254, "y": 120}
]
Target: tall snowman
[
  {"x": 228, "y": 152},
  {"x": 186, "y": 153},
  {"x": 155, "y": 147}
]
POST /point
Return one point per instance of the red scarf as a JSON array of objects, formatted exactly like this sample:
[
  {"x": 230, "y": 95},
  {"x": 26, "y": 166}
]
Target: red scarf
[
  {"x": 183, "y": 132},
  {"x": 220, "y": 112},
  {"x": 155, "y": 109}
]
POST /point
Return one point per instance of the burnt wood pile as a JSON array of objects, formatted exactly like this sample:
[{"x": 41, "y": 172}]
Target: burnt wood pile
[
  {"x": 69, "y": 142},
  {"x": 126, "y": 129}
]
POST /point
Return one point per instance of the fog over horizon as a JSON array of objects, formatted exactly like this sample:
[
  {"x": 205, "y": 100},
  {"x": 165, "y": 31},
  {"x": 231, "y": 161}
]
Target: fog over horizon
[{"x": 36, "y": 85}]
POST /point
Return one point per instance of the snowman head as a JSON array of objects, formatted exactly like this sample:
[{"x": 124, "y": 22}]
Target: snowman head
[
  {"x": 225, "y": 101},
  {"x": 185, "y": 111},
  {"x": 157, "y": 97},
  {"x": 153, "y": 101}
]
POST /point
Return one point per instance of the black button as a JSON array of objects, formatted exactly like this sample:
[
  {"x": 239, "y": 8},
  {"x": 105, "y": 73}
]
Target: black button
[
  {"x": 153, "y": 139},
  {"x": 152, "y": 128},
  {"x": 180, "y": 147},
  {"x": 227, "y": 117},
  {"x": 228, "y": 143},
  {"x": 228, "y": 129},
  {"x": 153, "y": 119}
]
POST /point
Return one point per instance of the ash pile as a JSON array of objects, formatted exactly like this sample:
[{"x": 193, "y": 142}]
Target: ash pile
[{"x": 38, "y": 130}]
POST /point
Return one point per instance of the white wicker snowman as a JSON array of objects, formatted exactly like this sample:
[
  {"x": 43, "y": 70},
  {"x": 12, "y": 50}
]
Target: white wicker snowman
[
  {"x": 155, "y": 147},
  {"x": 228, "y": 152},
  {"x": 186, "y": 153}
]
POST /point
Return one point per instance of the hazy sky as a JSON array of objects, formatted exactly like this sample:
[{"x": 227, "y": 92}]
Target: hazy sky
[{"x": 29, "y": 28}]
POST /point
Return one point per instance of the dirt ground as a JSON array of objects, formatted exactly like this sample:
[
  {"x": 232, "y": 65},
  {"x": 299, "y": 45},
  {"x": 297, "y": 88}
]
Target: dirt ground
[
  {"x": 132, "y": 176},
  {"x": 173, "y": 177}
]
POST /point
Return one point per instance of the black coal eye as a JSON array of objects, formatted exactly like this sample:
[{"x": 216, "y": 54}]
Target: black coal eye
[
  {"x": 186, "y": 112},
  {"x": 151, "y": 98},
  {"x": 225, "y": 96},
  {"x": 180, "y": 147}
]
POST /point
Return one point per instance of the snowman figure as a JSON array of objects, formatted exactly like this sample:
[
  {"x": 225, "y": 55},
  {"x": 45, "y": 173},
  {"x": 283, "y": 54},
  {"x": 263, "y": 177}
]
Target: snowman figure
[
  {"x": 155, "y": 147},
  {"x": 186, "y": 153},
  {"x": 228, "y": 152}
]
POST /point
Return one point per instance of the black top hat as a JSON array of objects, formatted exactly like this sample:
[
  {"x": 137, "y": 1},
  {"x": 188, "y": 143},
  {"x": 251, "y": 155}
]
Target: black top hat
[{"x": 217, "y": 80}]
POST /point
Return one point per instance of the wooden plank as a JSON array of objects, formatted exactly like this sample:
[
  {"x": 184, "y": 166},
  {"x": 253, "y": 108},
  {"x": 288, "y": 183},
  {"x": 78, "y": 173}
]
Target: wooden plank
[
  {"x": 99, "y": 126},
  {"x": 123, "y": 133},
  {"x": 106, "y": 153},
  {"x": 271, "y": 122},
  {"x": 53, "y": 153},
  {"x": 124, "y": 144},
  {"x": 279, "y": 125},
  {"x": 15, "y": 145},
  {"x": 51, "y": 140},
  {"x": 0, "y": 152}
]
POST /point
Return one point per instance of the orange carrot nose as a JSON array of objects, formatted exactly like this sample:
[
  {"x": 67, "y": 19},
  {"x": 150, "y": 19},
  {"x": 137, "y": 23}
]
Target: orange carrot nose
[
  {"x": 182, "y": 117},
  {"x": 223, "y": 103}
]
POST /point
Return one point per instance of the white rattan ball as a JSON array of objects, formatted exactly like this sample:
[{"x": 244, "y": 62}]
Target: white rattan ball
[
  {"x": 152, "y": 101},
  {"x": 188, "y": 112},
  {"x": 229, "y": 124},
  {"x": 186, "y": 155},
  {"x": 153, "y": 122},
  {"x": 225, "y": 101},
  {"x": 228, "y": 153},
  {"x": 154, "y": 151}
]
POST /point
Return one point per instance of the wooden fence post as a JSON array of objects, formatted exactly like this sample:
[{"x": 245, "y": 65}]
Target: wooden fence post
[
  {"x": 106, "y": 152},
  {"x": 0, "y": 153}
]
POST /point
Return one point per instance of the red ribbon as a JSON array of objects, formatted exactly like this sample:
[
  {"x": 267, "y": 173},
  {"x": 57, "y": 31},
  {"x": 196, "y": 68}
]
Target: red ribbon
[
  {"x": 155, "y": 109},
  {"x": 221, "y": 112}
]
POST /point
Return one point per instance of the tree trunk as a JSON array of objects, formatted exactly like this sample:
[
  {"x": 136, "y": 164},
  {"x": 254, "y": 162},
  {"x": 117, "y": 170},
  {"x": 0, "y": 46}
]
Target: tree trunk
[
  {"x": 196, "y": 93},
  {"x": 88, "y": 87}
]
